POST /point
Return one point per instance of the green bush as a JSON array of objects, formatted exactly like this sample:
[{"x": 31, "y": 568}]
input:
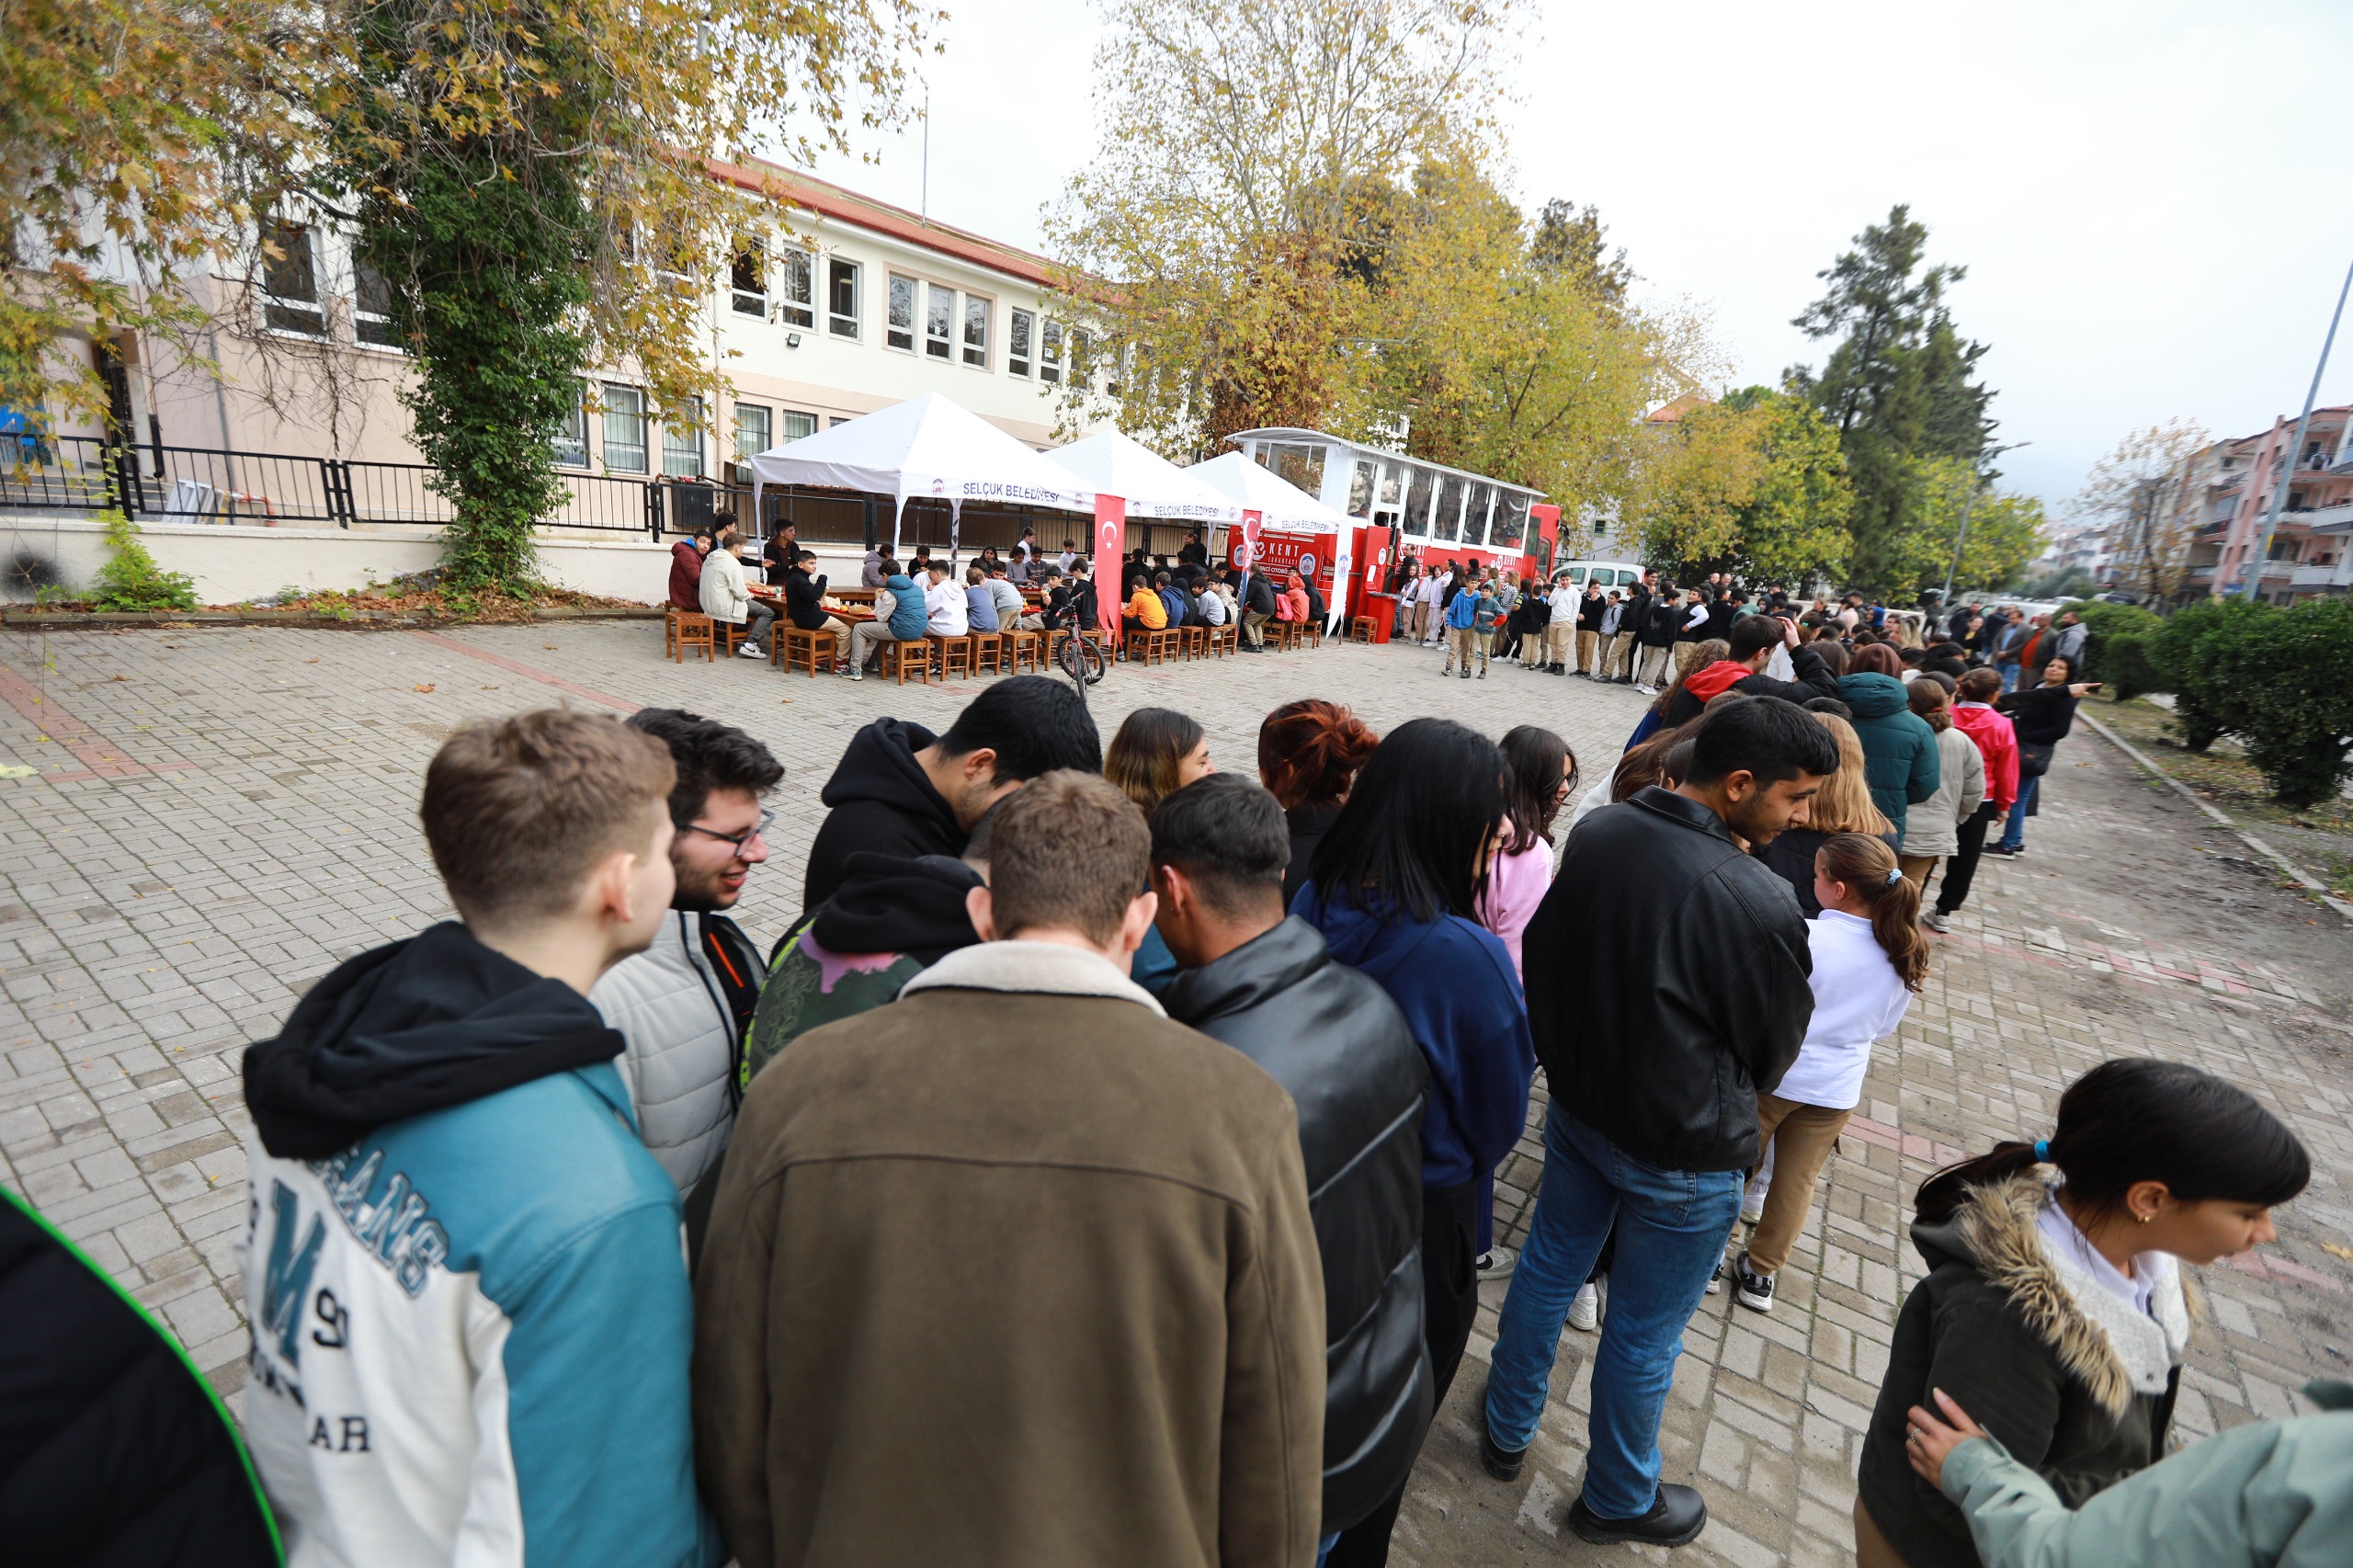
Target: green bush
[
  {"x": 2127, "y": 669},
  {"x": 132, "y": 580},
  {"x": 2198, "y": 656},
  {"x": 2293, "y": 685}
]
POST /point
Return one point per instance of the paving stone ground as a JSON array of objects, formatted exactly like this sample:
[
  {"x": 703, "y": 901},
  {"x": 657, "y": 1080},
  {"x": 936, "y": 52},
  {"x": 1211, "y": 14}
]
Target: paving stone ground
[{"x": 219, "y": 815}]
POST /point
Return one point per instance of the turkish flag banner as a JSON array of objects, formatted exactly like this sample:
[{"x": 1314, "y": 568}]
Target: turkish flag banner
[
  {"x": 1247, "y": 556},
  {"x": 1110, "y": 542}
]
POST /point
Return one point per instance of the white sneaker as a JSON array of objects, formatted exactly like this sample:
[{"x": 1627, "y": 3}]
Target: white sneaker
[
  {"x": 1585, "y": 1313},
  {"x": 1752, "y": 1208},
  {"x": 749, "y": 652},
  {"x": 1496, "y": 1263}
]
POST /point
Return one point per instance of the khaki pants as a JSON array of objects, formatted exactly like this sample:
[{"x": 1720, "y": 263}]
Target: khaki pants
[
  {"x": 1458, "y": 646},
  {"x": 1614, "y": 648},
  {"x": 1254, "y": 624},
  {"x": 1686, "y": 655},
  {"x": 1586, "y": 642},
  {"x": 1556, "y": 642},
  {"x": 1801, "y": 1137},
  {"x": 865, "y": 639},
  {"x": 1485, "y": 643},
  {"x": 1872, "y": 1549},
  {"x": 1916, "y": 868},
  {"x": 1649, "y": 667}
]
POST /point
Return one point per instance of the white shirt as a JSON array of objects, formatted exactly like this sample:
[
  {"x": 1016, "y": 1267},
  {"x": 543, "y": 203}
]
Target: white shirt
[
  {"x": 946, "y": 614},
  {"x": 1697, "y": 618},
  {"x": 1565, "y": 601},
  {"x": 2137, "y": 1289},
  {"x": 1857, "y": 998},
  {"x": 1064, "y": 561},
  {"x": 1212, "y": 607}
]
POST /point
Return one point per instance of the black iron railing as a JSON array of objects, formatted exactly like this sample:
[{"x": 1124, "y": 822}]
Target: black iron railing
[{"x": 210, "y": 485}]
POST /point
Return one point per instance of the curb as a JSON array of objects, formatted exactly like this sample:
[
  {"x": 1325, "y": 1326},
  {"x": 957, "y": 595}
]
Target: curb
[
  {"x": 32, "y": 620},
  {"x": 2286, "y": 867}
]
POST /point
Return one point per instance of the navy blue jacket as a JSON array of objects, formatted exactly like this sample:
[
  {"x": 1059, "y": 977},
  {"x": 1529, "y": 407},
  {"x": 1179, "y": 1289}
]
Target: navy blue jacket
[{"x": 1454, "y": 982}]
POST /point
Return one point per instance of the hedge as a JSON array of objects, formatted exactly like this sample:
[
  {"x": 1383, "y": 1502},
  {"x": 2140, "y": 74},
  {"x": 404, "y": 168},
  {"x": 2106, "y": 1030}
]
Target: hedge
[{"x": 2280, "y": 679}]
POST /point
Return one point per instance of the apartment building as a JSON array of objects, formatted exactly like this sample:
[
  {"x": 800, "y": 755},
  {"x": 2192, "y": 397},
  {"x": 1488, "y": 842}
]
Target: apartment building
[{"x": 2228, "y": 489}]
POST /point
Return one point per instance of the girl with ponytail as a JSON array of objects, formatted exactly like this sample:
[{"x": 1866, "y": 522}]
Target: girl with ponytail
[
  {"x": 1868, "y": 958},
  {"x": 2053, "y": 1317}
]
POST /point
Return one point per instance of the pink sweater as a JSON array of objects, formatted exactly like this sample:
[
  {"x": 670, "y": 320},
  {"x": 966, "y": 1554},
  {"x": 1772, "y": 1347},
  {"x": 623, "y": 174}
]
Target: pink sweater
[{"x": 1516, "y": 885}]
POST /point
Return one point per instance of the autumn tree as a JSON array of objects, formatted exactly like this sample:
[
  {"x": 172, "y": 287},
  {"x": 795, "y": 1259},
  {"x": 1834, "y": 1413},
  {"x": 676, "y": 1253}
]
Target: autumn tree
[
  {"x": 1240, "y": 208},
  {"x": 534, "y": 184},
  {"x": 1754, "y": 485},
  {"x": 2006, "y": 528},
  {"x": 1896, "y": 385},
  {"x": 2141, "y": 495},
  {"x": 140, "y": 138}
]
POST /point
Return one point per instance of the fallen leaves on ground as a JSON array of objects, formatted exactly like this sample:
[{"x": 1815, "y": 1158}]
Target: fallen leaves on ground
[
  {"x": 2335, "y": 1251},
  {"x": 426, "y": 686}
]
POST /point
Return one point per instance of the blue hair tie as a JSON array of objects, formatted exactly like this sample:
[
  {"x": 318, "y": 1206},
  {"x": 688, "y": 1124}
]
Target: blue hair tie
[
  {"x": 1894, "y": 876},
  {"x": 2042, "y": 1150}
]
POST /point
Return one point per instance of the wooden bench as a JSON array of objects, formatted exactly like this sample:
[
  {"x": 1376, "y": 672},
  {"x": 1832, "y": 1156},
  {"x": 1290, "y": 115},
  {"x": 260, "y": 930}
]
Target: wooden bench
[
  {"x": 792, "y": 648},
  {"x": 1151, "y": 647}
]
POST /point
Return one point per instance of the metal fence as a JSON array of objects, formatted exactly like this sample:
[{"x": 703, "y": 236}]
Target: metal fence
[{"x": 208, "y": 485}]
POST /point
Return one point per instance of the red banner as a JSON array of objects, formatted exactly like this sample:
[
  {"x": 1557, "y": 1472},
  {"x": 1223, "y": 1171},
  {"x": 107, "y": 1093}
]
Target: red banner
[
  {"x": 1279, "y": 554},
  {"x": 1110, "y": 533}
]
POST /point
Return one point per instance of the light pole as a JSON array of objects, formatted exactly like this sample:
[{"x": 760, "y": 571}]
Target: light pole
[
  {"x": 2251, "y": 586},
  {"x": 1966, "y": 503}
]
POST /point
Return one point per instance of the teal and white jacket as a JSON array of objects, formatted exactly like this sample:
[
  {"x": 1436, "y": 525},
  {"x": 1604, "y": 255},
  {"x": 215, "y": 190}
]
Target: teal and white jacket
[{"x": 471, "y": 1321}]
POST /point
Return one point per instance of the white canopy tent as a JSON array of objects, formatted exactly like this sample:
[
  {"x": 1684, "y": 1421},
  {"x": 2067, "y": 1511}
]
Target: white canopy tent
[
  {"x": 1112, "y": 465},
  {"x": 1280, "y": 504},
  {"x": 927, "y": 445}
]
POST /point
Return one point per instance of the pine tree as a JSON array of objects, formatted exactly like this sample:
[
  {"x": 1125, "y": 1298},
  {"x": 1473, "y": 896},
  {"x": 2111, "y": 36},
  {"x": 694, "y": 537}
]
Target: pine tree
[{"x": 1896, "y": 386}]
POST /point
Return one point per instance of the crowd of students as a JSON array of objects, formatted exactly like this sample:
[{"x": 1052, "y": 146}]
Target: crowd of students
[{"x": 1100, "y": 1168}]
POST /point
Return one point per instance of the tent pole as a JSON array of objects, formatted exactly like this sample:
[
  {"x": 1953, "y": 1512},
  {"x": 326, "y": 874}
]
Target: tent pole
[{"x": 955, "y": 530}]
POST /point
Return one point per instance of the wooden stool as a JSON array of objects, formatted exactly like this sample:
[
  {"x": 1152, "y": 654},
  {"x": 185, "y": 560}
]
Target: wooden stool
[
  {"x": 692, "y": 631},
  {"x": 1312, "y": 630},
  {"x": 988, "y": 652},
  {"x": 1361, "y": 628},
  {"x": 1195, "y": 641},
  {"x": 1147, "y": 645},
  {"x": 952, "y": 652},
  {"x": 897, "y": 661},
  {"x": 1026, "y": 647},
  {"x": 1224, "y": 640},
  {"x": 793, "y": 648},
  {"x": 1286, "y": 633},
  {"x": 731, "y": 634}
]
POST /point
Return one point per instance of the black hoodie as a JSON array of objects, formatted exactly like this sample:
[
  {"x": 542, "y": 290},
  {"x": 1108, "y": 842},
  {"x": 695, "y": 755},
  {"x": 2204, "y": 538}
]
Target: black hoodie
[
  {"x": 881, "y": 801},
  {"x": 434, "y": 1021},
  {"x": 892, "y": 905}
]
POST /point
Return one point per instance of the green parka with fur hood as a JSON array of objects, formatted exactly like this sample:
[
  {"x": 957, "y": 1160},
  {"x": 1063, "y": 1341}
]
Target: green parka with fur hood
[{"x": 2069, "y": 1379}]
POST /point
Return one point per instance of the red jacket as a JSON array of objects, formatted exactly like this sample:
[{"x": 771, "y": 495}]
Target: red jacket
[
  {"x": 1997, "y": 742},
  {"x": 685, "y": 575}
]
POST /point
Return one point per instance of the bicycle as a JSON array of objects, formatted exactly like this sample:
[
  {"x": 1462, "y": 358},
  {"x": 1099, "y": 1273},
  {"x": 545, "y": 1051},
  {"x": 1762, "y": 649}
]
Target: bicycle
[{"x": 1081, "y": 660}]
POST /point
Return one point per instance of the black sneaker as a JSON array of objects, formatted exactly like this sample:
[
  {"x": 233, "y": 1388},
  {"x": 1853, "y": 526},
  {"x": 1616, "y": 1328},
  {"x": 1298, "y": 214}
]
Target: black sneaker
[
  {"x": 1500, "y": 1463},
  {"x": 1752, "y": 1291},
  {"x": 1675, "y": 1519}
]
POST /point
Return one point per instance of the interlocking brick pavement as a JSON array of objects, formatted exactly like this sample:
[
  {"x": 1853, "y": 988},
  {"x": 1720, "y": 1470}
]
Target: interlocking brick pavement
[{"x": 223, "y": 814}]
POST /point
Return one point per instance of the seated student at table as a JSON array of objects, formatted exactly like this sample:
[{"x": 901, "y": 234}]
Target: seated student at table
[
  {"x": 1203, "y": 605},
  {"x": 726, "y": 596},
  {"x": 1172, "y": 597},
  {"x": 945, "y": 610},
  {"x": 804, "y": 602},
  {"x": 1083, "y": 603},
  {"x": 1013, "y": 611},
  {"x": 980, "y": 605},
  {"x": 1146, "y": 611},
  {"x": 899, "y": 617},
  {"x": 686, "y": 569}
]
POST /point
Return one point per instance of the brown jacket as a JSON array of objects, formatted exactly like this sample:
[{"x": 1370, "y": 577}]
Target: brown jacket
[{"x": 1012, "y": 1271}]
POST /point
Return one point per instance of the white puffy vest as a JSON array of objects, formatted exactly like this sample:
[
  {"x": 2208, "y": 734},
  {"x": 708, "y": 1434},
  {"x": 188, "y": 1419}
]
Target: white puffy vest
[{"x": 669, "y": 1007}]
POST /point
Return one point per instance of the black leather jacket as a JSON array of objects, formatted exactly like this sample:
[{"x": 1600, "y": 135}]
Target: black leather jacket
[
  {"x": 1336, "y": 1040},
  {"x": 1667, "y": 984}
]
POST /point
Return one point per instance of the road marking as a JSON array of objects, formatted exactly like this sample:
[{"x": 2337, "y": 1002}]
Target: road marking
[
  {"x": 529, "y": 673},
  {"x": 100, "y": 758}
]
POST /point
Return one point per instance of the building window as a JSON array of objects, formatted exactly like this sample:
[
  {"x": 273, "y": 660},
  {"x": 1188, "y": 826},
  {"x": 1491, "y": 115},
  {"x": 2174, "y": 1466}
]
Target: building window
[
  {"x": 748, "y": 275},
  {"x": 940, "y": 321},
  {"x": 901, "y": 328},
  {"x": 1446, "y": 521},
  {"x": 795, "y": 284},
  {"x": 751, "y": 430},
  {"x": 976, "y": 332},
  {"x": 1016, "y": 343},
  {"x": 571, "y": 446},
  {"x": 290, "y": 278},
  {"x": 841, "y": 296},
  {"x": 624, "y": 429},
  {"x": 1295, "y": 464},
  {"x": 682, "y": 441},
  {"x": 371, "y": 306},
  {"x": 1393, "y": 486},
  {"x": 1474, "y": 518},
  {"x": 1417, "y": 501},
  {"x": 837, "y": 421},
  {"x": 1050, "y": 354},
  {"x": 1360, "y": 490},
  {"x": 1511, "y": 522},
  {"x": 796, "y": 425}
]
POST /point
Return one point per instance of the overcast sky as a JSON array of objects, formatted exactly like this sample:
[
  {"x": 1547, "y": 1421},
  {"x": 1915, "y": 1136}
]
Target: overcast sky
[{"x": 2153, "y": 198}]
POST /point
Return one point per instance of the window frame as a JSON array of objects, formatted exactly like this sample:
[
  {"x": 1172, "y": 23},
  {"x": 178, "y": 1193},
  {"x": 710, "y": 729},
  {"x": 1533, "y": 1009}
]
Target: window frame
[
  {"x": 575, "y": 437},
  {"x": 785, "y": 422},
  {"x": 1021, "y": 344},
  {"x": 976, "y": 356},
  {"x": 296, "y": 315},
  {"x": 897, "y": 333},
  {"x": 607, "y": 402},
  {"x": 839, "y": 269},
  {"x": 1050, "y": 352},
  {"x": 767, "y": 427},
  {"x": 365, "y": 317},
  {"x": 755, "y": 251},
  {"x": 942, "y": 346},
  {"x": 672, "y": 426},
  {"x": 792, "y": 264}
]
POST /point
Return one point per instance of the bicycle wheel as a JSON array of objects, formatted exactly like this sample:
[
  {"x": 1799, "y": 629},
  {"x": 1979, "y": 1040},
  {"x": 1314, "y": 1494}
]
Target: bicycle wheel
[{"x": 1081, "y": 660}]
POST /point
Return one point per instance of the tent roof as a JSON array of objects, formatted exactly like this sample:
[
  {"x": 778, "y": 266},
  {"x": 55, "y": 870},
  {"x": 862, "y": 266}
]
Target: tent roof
[
  {"x": 1278, "y": 503},
  {"x": 926, "y": 446},
  {"x": 1114, "y": 464}
]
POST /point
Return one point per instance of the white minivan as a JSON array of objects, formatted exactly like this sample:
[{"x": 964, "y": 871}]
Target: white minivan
[{"x": 1606, "y": 575}]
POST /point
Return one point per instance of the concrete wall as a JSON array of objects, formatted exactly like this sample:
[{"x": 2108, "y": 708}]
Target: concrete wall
[{"x": 232, "y": 564}]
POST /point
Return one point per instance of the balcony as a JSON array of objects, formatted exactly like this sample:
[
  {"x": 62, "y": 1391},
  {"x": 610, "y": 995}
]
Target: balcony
[
  {"x": 2339, "y": 576},
  {"x": 2201, "y": 574},
  {"x": 2332, "y": 518}
]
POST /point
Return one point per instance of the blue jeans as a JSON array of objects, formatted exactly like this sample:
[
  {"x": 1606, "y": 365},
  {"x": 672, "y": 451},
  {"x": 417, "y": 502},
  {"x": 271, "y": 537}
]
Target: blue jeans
[
  {"x": 1324, "y": 1548},
  {"x": 2014, "y": 830},
  {"x": 2009, "y": 677},
  {"x": 1672, "y": 1226}
]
